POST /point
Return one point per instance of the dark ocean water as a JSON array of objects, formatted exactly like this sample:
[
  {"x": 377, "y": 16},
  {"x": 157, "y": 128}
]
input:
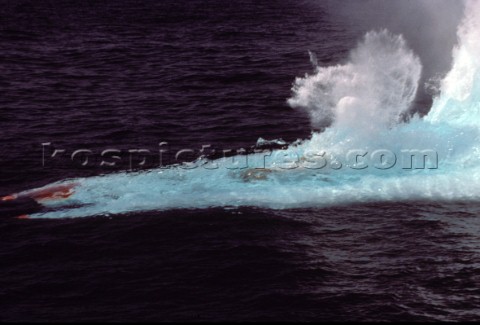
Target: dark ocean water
[{"x": 131, "y": 74}]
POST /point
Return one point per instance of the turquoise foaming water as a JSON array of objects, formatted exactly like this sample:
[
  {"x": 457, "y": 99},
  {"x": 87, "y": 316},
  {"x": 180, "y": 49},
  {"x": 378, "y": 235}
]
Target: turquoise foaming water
[{"x": 364, "y": 155}]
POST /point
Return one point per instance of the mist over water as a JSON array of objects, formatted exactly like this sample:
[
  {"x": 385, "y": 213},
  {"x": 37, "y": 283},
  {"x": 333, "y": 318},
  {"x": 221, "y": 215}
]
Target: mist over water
[
  {"x": 378, "y": 84},
  {"x": 362, "y": 100},
  {"x": 429, "y": 26}
]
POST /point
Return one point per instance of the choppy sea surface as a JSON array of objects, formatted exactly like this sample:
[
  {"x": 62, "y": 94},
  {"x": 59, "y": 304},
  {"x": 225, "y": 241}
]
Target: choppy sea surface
[{"x": 129, "y": 75}]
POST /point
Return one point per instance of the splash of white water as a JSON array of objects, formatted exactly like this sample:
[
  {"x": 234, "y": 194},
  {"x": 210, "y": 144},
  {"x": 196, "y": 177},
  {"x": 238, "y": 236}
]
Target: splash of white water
[{"x": 378, "y": 83}]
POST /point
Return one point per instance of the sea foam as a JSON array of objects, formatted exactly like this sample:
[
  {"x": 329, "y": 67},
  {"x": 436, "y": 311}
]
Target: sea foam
[{"x": 362, "y": 102}]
